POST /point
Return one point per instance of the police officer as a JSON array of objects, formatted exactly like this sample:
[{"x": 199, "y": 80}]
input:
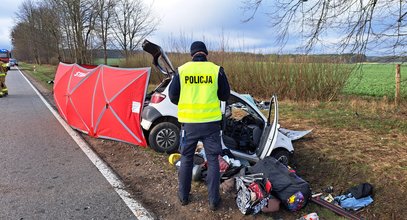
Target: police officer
[
  {"x": 3, "y": 73},
  {"x": 197, "y": 89}
]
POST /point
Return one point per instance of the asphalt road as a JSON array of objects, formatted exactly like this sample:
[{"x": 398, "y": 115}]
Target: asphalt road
[{"x": 43, "y": 172}]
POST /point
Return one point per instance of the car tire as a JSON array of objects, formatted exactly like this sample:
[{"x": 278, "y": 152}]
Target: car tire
[
  {"x": 164, "y": 137},
  {"x": 282, "y": 155}
]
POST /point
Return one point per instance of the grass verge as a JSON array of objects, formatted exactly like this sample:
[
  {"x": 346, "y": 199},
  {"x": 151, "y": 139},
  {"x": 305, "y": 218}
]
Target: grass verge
[{"x": 43, "y": 73}]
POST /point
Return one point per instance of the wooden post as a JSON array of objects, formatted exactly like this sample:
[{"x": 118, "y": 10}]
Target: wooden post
[{"x": 397, "y": 96}]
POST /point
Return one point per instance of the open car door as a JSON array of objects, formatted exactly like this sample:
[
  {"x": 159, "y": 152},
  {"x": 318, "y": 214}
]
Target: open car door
[
  {"x": 160, "y": 58},
  {"x": 269, "y": 137}
]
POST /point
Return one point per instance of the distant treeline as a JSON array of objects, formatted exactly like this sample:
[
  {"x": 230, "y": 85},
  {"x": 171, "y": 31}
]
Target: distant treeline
[
  {"x": 386, "y": 59},
  {"x": 49, "y": 31}
]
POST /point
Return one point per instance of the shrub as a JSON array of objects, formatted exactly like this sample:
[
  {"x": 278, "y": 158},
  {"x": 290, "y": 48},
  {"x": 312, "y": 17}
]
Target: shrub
[{"x": 299, "y": 78}]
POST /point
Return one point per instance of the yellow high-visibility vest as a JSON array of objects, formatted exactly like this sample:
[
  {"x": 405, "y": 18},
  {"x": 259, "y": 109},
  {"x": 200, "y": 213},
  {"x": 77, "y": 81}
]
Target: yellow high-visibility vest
[
  {"x": 3, "y": 69},
  {"x": 198, "y": 101}
]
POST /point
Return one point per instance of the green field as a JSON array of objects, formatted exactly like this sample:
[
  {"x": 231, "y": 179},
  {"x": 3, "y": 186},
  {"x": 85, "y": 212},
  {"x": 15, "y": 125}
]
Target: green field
[
  {"x": 110, "y": 61},
  {"x": 376, "y": 80}
]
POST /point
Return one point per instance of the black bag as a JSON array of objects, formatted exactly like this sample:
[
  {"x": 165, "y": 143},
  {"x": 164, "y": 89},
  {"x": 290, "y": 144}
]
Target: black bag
[
  {"x": 361, "y": 190},
  {"x": 293, "y": 191}
]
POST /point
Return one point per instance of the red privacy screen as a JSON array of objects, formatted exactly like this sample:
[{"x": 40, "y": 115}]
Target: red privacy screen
[{"x": 103, "y": 101}]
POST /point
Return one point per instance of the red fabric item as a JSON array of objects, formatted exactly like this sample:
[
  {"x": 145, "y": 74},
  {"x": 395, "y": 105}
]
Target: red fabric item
[
  {"x": 268, "y": 186},
  {"x": 223, "y": 165},
  {"x": 104, "y": 101},
  {"x": 254, "y": 187}
]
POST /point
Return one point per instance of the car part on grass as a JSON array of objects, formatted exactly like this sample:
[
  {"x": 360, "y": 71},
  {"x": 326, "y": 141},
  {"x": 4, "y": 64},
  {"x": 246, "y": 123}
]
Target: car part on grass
[{"x": 164, "y": 137}]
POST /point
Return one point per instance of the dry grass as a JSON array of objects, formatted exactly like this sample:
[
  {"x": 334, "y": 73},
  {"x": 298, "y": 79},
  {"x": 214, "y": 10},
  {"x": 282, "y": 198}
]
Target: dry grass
[
  {"x": 345, "y": 149},
  {"x": 297, "y": 78}
]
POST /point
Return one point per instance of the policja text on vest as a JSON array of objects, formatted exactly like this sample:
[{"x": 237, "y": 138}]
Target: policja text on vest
[{"x": 198, "y": 79}]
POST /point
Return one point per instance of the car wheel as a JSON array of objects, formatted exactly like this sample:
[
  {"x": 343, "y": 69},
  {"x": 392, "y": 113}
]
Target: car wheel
[
  {"x": 164, "y": 137},
  {"x": 281, "y": 155}
]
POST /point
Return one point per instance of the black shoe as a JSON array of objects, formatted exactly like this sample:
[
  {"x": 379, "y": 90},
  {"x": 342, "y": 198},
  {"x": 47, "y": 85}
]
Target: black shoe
[
  {"x": 214, "y": 205},
  {"x": 183, "y": 201}
]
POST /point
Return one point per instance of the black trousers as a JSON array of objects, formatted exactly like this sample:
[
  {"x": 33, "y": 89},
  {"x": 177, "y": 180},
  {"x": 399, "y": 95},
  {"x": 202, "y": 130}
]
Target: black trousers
[{"x": 209, "y": 134}]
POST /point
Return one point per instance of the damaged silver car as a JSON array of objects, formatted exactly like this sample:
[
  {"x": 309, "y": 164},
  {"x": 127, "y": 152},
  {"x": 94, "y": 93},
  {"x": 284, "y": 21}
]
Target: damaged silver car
[{"x": 246, "y": 131}]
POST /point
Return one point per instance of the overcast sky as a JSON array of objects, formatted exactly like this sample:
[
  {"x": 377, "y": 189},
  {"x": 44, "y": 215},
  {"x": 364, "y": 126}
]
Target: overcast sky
[
  {"x": 7, "y": 9},
  {"x": 211, "y": 20},
  {"x": 198, "y": 20}
]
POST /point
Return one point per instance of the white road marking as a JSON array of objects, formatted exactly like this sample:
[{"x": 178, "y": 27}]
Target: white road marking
[{"x": 138, "y": 210}]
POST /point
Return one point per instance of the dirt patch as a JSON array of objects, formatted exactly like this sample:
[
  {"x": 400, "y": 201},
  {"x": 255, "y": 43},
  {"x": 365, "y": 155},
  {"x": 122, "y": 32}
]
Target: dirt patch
[
  {"x": 343, "y": 158},
  {"x": 153, "y": 181},
  {"x": 328, "y": 157}
]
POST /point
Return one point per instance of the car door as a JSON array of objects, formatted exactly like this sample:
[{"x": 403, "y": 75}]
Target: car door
[{"x": 269, "y": 136}]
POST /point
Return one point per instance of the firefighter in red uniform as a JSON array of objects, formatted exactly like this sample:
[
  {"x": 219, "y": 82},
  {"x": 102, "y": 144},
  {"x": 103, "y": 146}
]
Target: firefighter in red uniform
[{"x": 3, "y": 73}]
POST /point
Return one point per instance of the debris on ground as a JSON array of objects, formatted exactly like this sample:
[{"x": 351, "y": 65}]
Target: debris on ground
[{"x": 260, "y": 187}]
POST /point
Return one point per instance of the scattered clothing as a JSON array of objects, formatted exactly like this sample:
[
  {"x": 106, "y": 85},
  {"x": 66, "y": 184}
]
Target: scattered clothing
[
  {"x": 351, "y": 203},
  {"x": 310, "y": 216},
  {"x": 293, "y": 191},
  {"x": 253, "y": 193}
]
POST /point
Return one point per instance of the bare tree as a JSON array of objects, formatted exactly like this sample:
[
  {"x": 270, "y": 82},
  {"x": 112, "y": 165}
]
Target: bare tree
[
  {"x": 78, "y": 18},
  {"x": 35, "y": 34},
  {"x": 106, "y": 8},
  {"x": 26, "y": 17},
  {"x": 358, "y": 25},
  {"x": 71, "y": 29},
  {"x": 21, "y": 43},
  {"x": 52, "y": 27},
  {"x": 133, "y": 21},
  {"x": 180, "y": 43}
]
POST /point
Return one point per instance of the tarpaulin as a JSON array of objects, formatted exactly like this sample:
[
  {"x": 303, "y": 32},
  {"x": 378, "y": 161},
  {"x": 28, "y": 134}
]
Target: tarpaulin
[{"x": 104, "y": 101}]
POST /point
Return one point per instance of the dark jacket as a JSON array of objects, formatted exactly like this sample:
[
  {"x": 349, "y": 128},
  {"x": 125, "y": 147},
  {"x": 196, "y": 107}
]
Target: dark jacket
[{"x": 223, "y": 84}]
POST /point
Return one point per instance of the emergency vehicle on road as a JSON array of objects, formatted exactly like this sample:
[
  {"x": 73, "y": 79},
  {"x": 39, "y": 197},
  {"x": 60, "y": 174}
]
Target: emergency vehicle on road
[{"x": 5, "y": 56}]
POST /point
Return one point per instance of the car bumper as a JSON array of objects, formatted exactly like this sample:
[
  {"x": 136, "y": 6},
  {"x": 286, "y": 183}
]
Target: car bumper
[
  {"x": 145, "y": 124},
  {"x": 148, "y": 116}
]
